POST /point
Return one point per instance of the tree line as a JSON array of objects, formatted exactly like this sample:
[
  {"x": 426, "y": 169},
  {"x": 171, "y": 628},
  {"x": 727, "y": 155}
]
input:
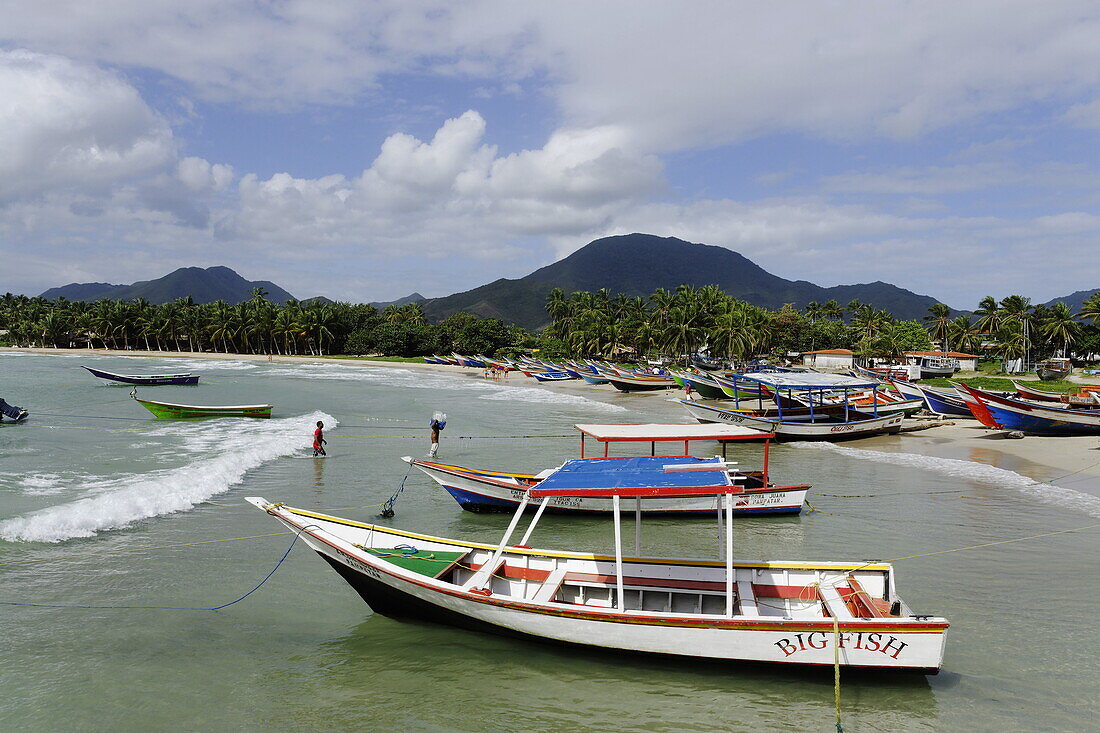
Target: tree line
[
  {"x": 254, "y": 326},
  {"x": 686, "y": 320}
]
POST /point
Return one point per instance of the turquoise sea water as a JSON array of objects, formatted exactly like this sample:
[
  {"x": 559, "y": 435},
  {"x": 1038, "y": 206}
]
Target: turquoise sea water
[{"x": 91, "y": 482}]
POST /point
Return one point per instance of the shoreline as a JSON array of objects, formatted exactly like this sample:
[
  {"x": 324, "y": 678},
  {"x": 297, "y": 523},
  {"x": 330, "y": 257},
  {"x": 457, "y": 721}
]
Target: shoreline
[{"x": 1066, "y": 461}]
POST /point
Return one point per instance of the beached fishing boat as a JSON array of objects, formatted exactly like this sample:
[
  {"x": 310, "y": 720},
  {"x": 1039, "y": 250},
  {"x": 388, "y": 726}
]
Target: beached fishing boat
[
  {"x": 1038, "y": 418},
  {"x": 144, "y": 380},
  {"x": 886, "y": 402},
  {"x": 705, "y": 386},
  {"x": 938, "y": 401},
  {"x": 827, "y": 419},
  {"x": 13, "y": 413},
  {"x": 800, "y": 426},
  {"x": 742, "y": 390},
  {"x": 170, "y": 410},
  {"x": 1040, "y": 395},
  {"x": 552, "y": 376},
  {"x": 797, "y": 613},
  {"x": 481, "y": 490},
  {"x": 1053, "y": 370},
  {"x": 640, "y": 382}
]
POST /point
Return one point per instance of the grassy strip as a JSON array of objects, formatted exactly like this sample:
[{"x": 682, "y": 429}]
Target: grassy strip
[{"x": 996, "y": 384}]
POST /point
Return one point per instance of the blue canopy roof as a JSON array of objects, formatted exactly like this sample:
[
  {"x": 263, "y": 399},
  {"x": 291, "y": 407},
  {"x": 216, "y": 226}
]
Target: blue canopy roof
[
  {"x": 808, "y": 380},
  {"x": 609, "y": 473}
]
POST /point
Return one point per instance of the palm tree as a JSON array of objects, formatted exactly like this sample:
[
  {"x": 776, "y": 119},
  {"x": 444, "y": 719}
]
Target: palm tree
[
  {"x": 963, "y": 334},
  {"x": 1090, "y": 309},
  {"x": 939, "y": 324},
  {"x": 832, "y": 310},
  {"x": 1060, "y": 326},
  {"x": 1016, "y": 312}
]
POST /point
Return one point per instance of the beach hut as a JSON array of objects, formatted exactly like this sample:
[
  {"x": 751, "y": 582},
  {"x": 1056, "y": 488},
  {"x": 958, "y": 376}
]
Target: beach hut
[{"x": 829, "y": 358}]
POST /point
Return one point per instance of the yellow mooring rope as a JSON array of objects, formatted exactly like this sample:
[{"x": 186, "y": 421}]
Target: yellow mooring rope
[{"x": 836, "y": 670}]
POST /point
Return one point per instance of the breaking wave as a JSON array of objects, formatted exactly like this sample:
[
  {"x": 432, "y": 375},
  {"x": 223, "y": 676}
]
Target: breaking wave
[
  {"x": 232, "y": 448},
  {"x": 973, "y": 471}
]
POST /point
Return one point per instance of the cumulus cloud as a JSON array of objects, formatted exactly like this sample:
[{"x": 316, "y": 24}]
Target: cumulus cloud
[
  {"x": 64, "y": 124},
  {"x": 673, "y": 77},
  {"x": 452, "y": 194}
]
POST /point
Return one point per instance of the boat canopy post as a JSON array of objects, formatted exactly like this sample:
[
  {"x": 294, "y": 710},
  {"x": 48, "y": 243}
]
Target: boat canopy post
[
  {"x": 535, "y": 520},
  {"x": 729, "y": 554},
  {"x": 767, "y": 442},
  {"x": 721, "y": 535},
  {"x": 637, "y": 526},
  {"x": 874, "y": 399},
  {"x": 620, "y": 601},
  {"x": 486, "y": 571},
  {"x": 846, "y": 419},
  {"x": 810, "y": 395},
  {"x": 582, "y": 444}
]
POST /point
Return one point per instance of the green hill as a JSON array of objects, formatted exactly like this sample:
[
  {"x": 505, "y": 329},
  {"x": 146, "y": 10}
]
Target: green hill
[
  {"x": 204, "y": 285},
  {"x": 638, "y": 264}
]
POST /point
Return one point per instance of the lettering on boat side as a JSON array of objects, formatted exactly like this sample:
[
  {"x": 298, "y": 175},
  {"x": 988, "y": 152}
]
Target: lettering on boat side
[
  {"x": 570, "y": 501},
  {"x": 841, "y": 428},
  {"x": 360, "y": 566},
  {"x": 860, "y": 641}
]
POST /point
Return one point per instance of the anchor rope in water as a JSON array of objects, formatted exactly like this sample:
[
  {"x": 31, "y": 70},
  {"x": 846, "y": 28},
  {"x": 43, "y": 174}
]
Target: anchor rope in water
[{"x": 175, "y": 608}]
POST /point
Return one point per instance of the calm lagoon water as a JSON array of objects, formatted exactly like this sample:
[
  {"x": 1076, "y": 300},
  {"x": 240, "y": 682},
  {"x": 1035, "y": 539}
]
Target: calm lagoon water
[{"x": 82, "y": 496}]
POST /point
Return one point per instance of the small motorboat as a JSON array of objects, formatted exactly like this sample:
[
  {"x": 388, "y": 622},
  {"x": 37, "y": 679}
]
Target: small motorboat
[
  {"x": 144, "y": 380},
  {"x": 13, "y": 413},
  {"x": 171, "y": 410}
]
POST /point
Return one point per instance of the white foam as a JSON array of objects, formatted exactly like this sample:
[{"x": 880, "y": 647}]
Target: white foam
[
  {"x": 973, "y": 471},
  {"x": 237, "y": 446},
  {"x": 197, "y": 364},
  {"x": 41, "y": 483},
  {"x": 407, "y": 378}
]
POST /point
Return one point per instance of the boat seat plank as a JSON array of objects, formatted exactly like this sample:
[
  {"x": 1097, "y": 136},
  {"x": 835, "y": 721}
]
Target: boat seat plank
[
  {"x": 746, "y": 599},
  {"x": 873, "y": 607},
  {"x": 550, "y": 586},
  {"x": 836, "y": 606}
]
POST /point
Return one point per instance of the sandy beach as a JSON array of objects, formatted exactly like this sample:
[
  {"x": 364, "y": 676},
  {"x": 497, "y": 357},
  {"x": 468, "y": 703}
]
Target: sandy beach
[{"x": 1068, "y": 461}]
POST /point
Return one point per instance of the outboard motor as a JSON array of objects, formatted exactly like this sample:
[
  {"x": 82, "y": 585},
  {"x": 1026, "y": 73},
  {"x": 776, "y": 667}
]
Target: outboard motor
[{"x": 15, "y": 413}]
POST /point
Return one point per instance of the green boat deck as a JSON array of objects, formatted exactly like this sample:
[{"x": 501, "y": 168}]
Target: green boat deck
[{"x": 430, "y": 563}]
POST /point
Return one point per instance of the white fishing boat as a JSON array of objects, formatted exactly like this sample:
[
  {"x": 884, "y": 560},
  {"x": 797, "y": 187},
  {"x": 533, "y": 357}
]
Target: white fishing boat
[
  {"x": 798, "y": 613},
  {"x": 484, "y": 490},
  {"x": 828, "y": 413}
]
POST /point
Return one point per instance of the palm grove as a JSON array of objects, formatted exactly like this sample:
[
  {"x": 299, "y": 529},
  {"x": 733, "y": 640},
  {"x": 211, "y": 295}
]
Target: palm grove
[{"x": 584, "y": 324}]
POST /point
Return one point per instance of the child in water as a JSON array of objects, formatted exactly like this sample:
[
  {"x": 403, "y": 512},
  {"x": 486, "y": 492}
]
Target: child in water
[{"x": 319, "y": 440}]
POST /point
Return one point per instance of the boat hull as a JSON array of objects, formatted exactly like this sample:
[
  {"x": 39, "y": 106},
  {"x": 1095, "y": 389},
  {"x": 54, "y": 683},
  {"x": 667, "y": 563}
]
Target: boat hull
[
  {"x": 147, "y": 380},
  {"x": 797, "y": 430},
  {"x": 1036, "y": 418},
  {"x": 901, "y": 642},
  {"x": 168, "y": 411},
  {"x": 631, "y": 384},
  {"x": 499, "y": 492}
]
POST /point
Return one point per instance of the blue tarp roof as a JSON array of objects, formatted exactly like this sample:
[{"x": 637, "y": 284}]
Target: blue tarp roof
[
  {"x": 809, "y": 380},
  {"x": 608, "y": 473}
]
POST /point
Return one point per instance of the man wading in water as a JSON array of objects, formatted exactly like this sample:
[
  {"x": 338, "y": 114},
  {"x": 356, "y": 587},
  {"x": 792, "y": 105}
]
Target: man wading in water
[
  {"x": 438, "y": 423},
  {"x": 319, "y": 440}
]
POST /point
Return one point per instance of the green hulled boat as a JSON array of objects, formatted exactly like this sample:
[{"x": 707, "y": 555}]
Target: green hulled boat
[{"x": 169, "y": 410}]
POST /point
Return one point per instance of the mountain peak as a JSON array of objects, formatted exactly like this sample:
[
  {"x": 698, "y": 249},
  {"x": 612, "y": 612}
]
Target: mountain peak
[
  {"x": 638, "y": 264},
  {"x": 203, "y": 285}
]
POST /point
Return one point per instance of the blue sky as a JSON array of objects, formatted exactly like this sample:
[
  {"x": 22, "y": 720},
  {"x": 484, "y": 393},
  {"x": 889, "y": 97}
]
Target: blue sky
[{"x": 365, "y": 151}]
